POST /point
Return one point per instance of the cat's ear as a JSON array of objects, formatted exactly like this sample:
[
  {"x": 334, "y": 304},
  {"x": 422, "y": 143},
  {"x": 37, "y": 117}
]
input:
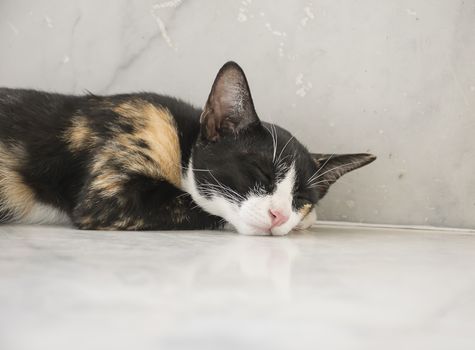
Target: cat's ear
[
  {"x": 229, "y": 106},
  {"x": 330, "y": 167}
]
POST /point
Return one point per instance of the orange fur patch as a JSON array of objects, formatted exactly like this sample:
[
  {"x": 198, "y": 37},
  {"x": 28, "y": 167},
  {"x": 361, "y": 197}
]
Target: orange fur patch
[
  {"x": 156, "y": 127},
  {"x": 16, "y": 197},
  {"x": 80, "y": 136},
  {"x": 305, "y": 210}
]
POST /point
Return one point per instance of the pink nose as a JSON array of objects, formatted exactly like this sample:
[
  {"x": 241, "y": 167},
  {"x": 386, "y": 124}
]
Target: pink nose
[{"x": 277, "y": 217}]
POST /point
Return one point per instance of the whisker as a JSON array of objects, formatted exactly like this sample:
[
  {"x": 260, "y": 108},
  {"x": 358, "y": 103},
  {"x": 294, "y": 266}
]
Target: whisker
[
  {"x": 206, "y": 170},
  {"x": 283, "y": 148},
  {"x": 226, "y": 187},
  {"x": 320, "y": 168},
  {"x": 212, "y": 189},
  {"x": 210, "y": 192},
  {"x": 337, "y": 167},
  {"x": 230, "y": 193},
  {"x": 318, "y": 182},
  {"x": 195, "y": 169},
  {"x": 195, "y": 207},
  {"x": 276, "y": 139},
  {"x": 274, "y": 143}
]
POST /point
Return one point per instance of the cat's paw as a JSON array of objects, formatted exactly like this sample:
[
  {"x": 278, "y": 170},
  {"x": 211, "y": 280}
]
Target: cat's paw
[{"x": 307, "y": 221}]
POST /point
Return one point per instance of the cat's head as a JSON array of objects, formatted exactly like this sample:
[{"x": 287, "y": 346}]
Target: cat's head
[{"x": 256, "y": 175}]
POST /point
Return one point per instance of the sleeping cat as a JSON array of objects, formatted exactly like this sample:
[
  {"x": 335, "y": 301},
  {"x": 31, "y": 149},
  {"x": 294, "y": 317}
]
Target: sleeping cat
[{"x": 150, "y": 162}]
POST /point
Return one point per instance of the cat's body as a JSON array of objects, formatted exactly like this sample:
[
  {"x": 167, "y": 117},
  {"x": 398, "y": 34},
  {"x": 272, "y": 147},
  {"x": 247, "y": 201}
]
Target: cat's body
[
  {"x": 146, "y": 161},
  {"x": 89, "y": 156}
]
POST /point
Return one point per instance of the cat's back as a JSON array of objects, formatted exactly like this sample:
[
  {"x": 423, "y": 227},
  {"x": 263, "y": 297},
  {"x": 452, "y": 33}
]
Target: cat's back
[
  {"x": 27, "y": 113},
  {"x": 38, "y": 115},
  {"x": 50, "y": 144}
]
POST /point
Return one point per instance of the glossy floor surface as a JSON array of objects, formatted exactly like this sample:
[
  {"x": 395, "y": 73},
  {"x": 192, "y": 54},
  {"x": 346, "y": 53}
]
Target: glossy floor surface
[{"x": 327, "y": 288}]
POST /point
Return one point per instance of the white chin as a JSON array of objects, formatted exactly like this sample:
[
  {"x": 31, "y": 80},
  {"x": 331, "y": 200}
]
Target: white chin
[
  {"x": 277, "y": 232},
  {"x": 249, "y": 230}
]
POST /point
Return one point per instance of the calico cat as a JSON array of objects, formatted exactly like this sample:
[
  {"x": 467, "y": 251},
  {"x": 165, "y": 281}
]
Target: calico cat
[{"x": 144, "y": 161}]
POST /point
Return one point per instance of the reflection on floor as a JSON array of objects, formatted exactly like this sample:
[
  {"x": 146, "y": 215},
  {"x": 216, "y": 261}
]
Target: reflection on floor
[{"x": 327, "y": 288}]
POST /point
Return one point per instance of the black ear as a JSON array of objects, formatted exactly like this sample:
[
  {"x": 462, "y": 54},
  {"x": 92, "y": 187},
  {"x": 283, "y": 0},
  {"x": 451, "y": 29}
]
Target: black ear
[
  {"x": 330, "y": 167},
  {"x": 229, "y": 106}
]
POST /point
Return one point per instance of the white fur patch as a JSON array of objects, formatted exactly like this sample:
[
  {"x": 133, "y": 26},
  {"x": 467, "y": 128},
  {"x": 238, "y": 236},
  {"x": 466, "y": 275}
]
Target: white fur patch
[
  {"x": 307, "y": 221},
  {"x": 44, "y": 214},
  {"x": 252, "y": 217}
]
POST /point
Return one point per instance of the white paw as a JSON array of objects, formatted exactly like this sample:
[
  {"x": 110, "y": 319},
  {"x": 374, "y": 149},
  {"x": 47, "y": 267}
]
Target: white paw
[{"x": 307, "y": 221}]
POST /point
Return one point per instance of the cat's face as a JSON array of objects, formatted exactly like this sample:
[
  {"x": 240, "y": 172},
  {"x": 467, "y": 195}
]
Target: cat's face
[{"x": 256, "y": 175}]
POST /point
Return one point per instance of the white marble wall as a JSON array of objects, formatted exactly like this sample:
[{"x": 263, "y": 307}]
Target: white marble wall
[{"x": 396, "y": 78}]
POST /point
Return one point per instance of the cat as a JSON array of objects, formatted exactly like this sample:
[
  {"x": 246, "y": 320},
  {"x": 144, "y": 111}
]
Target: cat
[{"x": 144, "y": 161}]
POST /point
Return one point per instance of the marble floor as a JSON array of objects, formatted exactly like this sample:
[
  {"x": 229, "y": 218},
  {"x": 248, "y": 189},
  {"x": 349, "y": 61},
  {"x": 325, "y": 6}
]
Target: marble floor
[{"x": 327, "y": 288}]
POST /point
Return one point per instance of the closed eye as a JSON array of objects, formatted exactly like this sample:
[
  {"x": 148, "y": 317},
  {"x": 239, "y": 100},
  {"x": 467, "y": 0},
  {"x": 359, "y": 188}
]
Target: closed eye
[
  {"x": 263, "y": 175},
  {"x": 259, "y": 171}
]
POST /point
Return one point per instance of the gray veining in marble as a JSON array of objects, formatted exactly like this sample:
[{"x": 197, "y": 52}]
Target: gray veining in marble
[
  {"x": 327, "y": 288},
  {"x": 393, "y": 78}
]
